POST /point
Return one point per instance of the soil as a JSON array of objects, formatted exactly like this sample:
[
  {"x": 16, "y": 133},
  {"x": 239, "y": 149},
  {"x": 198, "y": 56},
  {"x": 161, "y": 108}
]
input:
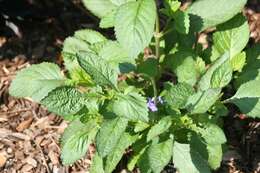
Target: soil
[{"x": 29, "y": 134}]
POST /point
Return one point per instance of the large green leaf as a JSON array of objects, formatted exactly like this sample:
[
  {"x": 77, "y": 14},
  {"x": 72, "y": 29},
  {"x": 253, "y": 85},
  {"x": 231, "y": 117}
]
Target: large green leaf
[
  {"x": 131, "y": 106},
  {"x": 202, "y": 101},
  {"x": 159, "y": 128},
  {"x": 100, "y": 8},
  {"x": 76, "y": 139},
  {"x": 232, "y": 36},
  {"x": 115, "y": 156},
  {"x": 90, "y": 36},
  {"x": 160, "y": 155},
  {"x": 247, "y": 98},
  {"x": 221, "y": 76},
  {"x": 109, "y": 135},
  {"x": 37, "y": 81},
  {"x": 207, "y": 13},
  {"x": 134, "y": 25},
  {"x": 211, "y": 130},
  {"x": 205, "y": 81},
  {"x": 177, "y": 95},
  {"x": 97, "y": 165},
  {"x": 100, "y": 71},
  {"x": 64, "y": 101},
  {"x": 188, "y": 160},
  {"x": 182, "y": 22},
  {"x": 184, "y": 67}
]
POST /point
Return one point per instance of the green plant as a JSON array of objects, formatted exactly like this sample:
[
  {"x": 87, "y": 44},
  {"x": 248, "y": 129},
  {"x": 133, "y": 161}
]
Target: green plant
[{"x": 116, "y": 96}]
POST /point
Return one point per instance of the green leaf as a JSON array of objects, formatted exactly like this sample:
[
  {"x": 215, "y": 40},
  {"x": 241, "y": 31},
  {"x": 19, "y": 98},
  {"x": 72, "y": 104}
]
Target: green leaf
[
  {"x": 177, "y": 95},
  {"x": 115, "y": 156},
  {"x": 238, "y": 61},
  {"x": 64, "y": 101},
  {"x": 37, "y": 81},
  {"x": 232, "y": 36},
  {"x": 247, "y": 98},
  {"x": 131, "y": 106},
  {"x": 97, "y": 165},
  {"x": 207, "y": 13},
  {"x": 211, "y": 130},
  {"x": 159, "y": 128},
  {"x": 108, "y": 21},
  {"x": 214, "y": 156},
  {"x": 76, "y": 139},
  {"x": 186, "y": 159},
  {"x": 100, "y": 71},
  {"x": 205, "y": 81},
  {"x": 140, "y": 126},
  {"x": 200, "y": 65},
  {"x": 99, "y": 8},
  {"x": 89, "y": 36},
  {"x": 109, "y": 135},
  {"x": 184, "y": 67},
  {"x": 114, "y": 54},
  {"x": 221, "y": 76},
  {"x": 159, "y": 155},
  {"x": 149, "y": 67},
  {"x": 182, "y": 22},
  {"x": 202, "y": 101},
  {"x": 134, "y": 25}
]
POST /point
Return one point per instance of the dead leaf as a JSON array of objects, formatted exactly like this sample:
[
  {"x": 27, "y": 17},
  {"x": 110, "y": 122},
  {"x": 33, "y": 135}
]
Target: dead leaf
[
  {"x": 24, "y": 125},
  {"x": 2, "y": 160}
]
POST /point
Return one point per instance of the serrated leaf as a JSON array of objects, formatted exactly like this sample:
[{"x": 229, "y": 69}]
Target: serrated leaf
[
  {"x": 76, "y": 139},
  {"x": 211, "y": 130},
  {"x": 247, "y": 98},
  {"x": 160, "y": 155},
  {"x": 202, "y": 101},
  {"x": 149, "y": 67},
  {"x": 182, "y": 22},
  {"x": 232, "y": 36},
  {"x": 184, "y": 67},
  {"x": 100, "y": 71},
  {"x": 64, "y": 101},
  {"x": 159, "y": 128},
  {"x": 97, "y": 165},
  {"x": 221, "y": 76},
  {"x": 109, "y": 135},
  {"x": 115, "y": 156},
  {"x": 238, "y": 61},
  {"x": 131, "y": 106},
  {"x": 134, "y": 25},
  {"x": 177, "y": 95},
  {"x": 140, "y": 126},
  {"x": 207, "y": 13},
  {"x": 205, "y": 81},
  {"x": 200, "y": 65},
  {"x": 37, "y": 81},
  {"x": 89, "y": 36},
  {"x": 187, "y": 159}
]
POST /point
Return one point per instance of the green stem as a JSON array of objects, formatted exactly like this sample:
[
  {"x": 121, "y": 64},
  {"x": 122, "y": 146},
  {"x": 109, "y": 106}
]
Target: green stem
[{"x": 155, "y": 93}]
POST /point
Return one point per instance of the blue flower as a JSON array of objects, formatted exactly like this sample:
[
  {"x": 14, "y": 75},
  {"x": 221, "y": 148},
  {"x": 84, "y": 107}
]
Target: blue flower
[{"x": 151, "y": 104}]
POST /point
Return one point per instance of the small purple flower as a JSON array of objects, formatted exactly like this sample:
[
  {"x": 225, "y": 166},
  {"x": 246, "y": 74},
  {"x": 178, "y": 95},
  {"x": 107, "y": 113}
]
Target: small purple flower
[{"x": 151, "y": 104}]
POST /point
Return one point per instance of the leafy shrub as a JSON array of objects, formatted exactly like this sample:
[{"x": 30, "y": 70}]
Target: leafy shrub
[{"x": 117, "y": 95}]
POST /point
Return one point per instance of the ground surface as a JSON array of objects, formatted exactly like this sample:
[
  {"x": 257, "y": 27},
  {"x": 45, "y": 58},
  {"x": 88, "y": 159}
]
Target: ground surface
[{"x": 29, "y": 135}]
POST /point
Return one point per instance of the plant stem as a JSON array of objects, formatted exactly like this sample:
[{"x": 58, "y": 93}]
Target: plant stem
[{"x": 155, "y": 93}]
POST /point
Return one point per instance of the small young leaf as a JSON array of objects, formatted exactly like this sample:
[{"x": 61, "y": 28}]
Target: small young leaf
[
  {"x": 247, "y": 98},
  {"x": 100, "y": 71},
  {"x": 134, "y": 25},
  {"x": 64, "y": 101},
  {"x": 207, "y": 13},
  {"x": 160, "y": 127},
  {"x": 115, "y": 156},
  {"x": 202, "y": 101},
  {"x": 131, "y": 106},
  {"x": 109, "y": 135},
  {"x": 221, "y": 76},
  {"x": 177, "y": 95},
  {"x": 37, "y": 81},
  {"x": 232, "y": 36},
  {"x": 76, "y": 139},
  {"x": 187, "y": 159}
]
